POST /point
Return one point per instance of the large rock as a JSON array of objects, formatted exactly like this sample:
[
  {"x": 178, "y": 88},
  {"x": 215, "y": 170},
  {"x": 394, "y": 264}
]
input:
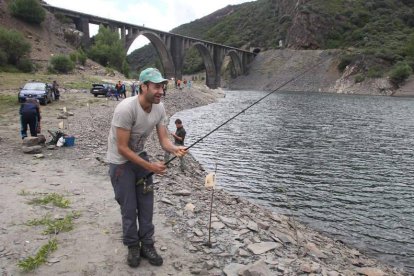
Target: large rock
[
  {"x": 370, "y": 271},
  {"x": 315, "y": 251},
  {"x": 262, "y": 247},
  {"x": 33, "y": 149},
  {"x": 42, "y": 138},
  {"x": 233, "y": 269},
  {"x": 30, "y": 141}
]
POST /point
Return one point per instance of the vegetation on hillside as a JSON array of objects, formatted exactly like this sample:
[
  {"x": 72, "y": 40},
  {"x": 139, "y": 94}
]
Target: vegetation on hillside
[
  {"x": 14, "y": 51},
  {"x": 253, "y": 24},
  {"x": 377, "y": 34},
  {"x": 380, "y": 32},
  {"x": 28, "y": 10},
  {"x": 61, "y": 64},
  {"x": 108, "y": 50}
]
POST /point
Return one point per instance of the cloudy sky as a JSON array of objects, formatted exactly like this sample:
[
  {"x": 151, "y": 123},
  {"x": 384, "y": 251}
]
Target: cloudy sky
[{"x": 162, "y": 15}]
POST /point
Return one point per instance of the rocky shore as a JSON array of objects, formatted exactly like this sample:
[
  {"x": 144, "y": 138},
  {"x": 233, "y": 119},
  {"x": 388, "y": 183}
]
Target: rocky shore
[{"x": 246, "y": 239}]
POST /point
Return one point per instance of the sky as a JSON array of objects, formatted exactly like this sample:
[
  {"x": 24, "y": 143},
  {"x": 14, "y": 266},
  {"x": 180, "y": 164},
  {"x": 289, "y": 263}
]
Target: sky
[{"x": 161, "y": 15}]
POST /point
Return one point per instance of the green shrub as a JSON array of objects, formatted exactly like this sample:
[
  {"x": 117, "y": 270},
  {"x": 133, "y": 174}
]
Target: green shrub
[
  {"x": 25, "y": 66},
  {"x": 14, "y": 45},
  {"x": 400, "y": 72},
  {"x": 374, "y": 72},
  {"x": 82, "y": 57},
  {"x": 409, "y": 49},
  {"x": 28, "y": 10},
  {"x": 62, "y": 64},
  {"x": 359, "y": 78},
  {"x": 73, "y": 57}
]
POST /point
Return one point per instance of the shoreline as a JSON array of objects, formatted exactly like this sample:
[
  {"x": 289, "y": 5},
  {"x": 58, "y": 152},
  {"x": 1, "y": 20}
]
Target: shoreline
[{"x": 244, "y": 235}]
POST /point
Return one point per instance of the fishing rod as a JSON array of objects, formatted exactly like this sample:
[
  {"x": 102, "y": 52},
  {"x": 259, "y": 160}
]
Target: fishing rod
[{"x": 143, "y": 180}]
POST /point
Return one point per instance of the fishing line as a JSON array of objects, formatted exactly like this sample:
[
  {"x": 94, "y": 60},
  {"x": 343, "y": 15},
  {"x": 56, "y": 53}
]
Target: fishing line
[{"x": 142, "y": 180}]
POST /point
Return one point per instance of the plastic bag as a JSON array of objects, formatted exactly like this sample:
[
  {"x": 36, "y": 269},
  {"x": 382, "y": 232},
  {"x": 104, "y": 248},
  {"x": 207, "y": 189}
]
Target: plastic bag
[{"x": 60, "y": 142}]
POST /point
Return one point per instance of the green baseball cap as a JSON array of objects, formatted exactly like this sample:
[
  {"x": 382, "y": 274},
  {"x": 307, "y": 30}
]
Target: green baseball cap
[{"x": 152, "y": 75}]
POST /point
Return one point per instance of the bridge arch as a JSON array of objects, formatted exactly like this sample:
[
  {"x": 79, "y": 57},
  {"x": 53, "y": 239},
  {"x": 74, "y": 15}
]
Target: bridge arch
[
  {"x": 170, "y": 47},
  {"x": 163, "y": 53},
  {"x": 207, "y": 60},
  {"x": 237, "y": 63}
]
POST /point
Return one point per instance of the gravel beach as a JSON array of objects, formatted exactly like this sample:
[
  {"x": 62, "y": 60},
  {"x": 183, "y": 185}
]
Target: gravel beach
[{"x": 246, "y": 239}]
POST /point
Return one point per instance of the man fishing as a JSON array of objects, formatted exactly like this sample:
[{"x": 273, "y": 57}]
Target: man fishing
[{"x": 132, "y": 123}]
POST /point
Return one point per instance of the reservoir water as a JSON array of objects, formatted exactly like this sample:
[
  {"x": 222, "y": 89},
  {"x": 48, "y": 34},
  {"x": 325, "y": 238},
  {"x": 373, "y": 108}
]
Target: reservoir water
[{"x": 343, "y": 164}]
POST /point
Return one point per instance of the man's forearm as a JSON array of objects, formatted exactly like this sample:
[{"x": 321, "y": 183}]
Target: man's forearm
[{"x": 134, "y": 158}]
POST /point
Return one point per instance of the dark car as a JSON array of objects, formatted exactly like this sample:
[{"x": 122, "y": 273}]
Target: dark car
[
  {"x": 102, "y": 89},
  {"x": 40, "y": 91}
]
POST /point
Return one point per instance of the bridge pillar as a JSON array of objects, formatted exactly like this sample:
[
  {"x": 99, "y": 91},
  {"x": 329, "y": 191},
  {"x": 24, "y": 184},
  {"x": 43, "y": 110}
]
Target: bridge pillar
[
  {"x": 82, "y": 24},
  {"x": 218, "y": 57},
  {"x": 129, "y": 38},
  {"x": 246, "y": 60},
  {"x": 123, "y": 35},
  {"x": 177, "y": 53}
]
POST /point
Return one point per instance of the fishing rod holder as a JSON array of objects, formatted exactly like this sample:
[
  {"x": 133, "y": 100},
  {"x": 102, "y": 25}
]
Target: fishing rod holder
[{"x": 147, "y": 188}]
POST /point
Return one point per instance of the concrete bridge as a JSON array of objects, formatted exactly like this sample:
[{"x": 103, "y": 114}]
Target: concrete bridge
[{"x": 170, "y": 47}]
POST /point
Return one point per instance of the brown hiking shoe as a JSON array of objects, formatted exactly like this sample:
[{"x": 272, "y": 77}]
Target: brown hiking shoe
[
  {"x": 133, "y": 256},
  {"x": 148, "y": 251}
]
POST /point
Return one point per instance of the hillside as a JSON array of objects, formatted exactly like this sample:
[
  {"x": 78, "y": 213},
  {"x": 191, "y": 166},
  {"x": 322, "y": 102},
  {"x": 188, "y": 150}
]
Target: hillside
[
  {"x": 308, "y": 24},
  {"x": 46, "y": 40},
  {"x": 378, "y": 35}
]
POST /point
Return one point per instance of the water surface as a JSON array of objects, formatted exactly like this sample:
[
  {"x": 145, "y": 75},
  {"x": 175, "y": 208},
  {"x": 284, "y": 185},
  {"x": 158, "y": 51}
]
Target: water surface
[{"x": 343, "y": 164}]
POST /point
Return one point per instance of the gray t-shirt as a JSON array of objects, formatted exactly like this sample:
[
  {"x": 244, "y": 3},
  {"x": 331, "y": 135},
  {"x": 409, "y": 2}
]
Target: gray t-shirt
[{"x": 130, "y": 115}]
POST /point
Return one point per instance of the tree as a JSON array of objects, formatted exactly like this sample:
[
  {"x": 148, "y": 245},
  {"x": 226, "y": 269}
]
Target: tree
[
  {"x": 400, "y": 73},
  {"x": 108, "y": 49}
]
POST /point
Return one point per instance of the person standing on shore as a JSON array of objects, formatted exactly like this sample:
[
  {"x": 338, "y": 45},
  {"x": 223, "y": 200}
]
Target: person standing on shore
[
  {"x": 30, "y": 115},
  {"x": 132, "y": 123},
  {"x": 179, "y": 137},
  {"x": 118, "y": 88},
  {"x": 55, "y": 89},
  {"x": 133, "y": 89}
]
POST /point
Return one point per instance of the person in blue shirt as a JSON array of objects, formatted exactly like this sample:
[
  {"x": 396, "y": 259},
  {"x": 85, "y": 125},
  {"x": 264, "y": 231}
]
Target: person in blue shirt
[{"x": 29, "y": 115}]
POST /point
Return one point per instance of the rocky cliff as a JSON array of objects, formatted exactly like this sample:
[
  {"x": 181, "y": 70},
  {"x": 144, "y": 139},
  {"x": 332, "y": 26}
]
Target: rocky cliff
[{"x": 273, "y": 68}]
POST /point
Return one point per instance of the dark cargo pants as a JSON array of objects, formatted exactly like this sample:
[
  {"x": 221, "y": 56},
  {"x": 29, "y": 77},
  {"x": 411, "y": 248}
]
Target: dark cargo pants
[
  {"x": 133, "y": 202},
  {"x": 32, "y": 121}
]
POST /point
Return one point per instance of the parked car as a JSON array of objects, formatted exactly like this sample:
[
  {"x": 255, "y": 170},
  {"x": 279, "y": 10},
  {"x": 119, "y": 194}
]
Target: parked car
[
  {"x": 102, "y": 89},
  {"x": 38, "y": 90}
]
